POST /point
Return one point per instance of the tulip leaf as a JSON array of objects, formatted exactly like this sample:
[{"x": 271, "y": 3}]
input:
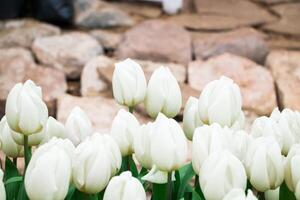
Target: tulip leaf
[
  {"x": 22, "y": 192},
  {"x": 10, "y": 169},
  {"x": 13, "y": 180},
  {"x": 78, "y": 195},
  {"x": 176, "y": 183},
  {"x": 159, "y": 191},
  {"x": 186, "y": 174},
  {"x": 70, "y": 192},
  {"x": 133, "y": 167},
  {"x": 285, "y": 193},
  {"x": 12, "y": 186},
  {"x": 195, "y": 195}
]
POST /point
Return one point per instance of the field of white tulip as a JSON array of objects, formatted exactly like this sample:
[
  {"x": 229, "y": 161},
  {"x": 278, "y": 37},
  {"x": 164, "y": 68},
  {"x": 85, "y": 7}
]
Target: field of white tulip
[{"x": 139, "y": 162}]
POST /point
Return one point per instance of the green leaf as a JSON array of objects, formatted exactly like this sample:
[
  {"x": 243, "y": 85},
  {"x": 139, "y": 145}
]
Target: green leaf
[
  {"x": 13, "y": 180},
  {"x": 195, "y": 195},
  {"x": 22, "y": 192},
  {"x": 133, "y": 167},
  {"x": 78, "y": 195},
  {"x": 285, "y": 193},
  {"x": 187, "y": 173},
  {"x": 10, "y": 169},
  {"x": 159, "y": 191},
  {"x": 142, "y": 173},
  {"x": 70, "y": 192},
  {"x": 176, "y": 184},
  {"x": 12, "y": 187}
]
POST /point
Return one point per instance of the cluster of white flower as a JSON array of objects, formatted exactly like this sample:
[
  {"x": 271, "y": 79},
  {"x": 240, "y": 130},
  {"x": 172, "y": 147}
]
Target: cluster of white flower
[{"x": 71, "y": 160}]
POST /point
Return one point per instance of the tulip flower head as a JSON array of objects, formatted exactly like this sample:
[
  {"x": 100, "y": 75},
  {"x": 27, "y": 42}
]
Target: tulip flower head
[
  {"x": 239, "y": 194},
  {"x": 191, "y": 119},
  {"x": 53, "y": 128}
]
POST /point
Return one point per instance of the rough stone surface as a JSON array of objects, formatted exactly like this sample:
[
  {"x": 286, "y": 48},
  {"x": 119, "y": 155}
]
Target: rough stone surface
[
  {"x": 156, "y": 40},
  {"x": 280, "y": 42},
  {"x": 108, "y": 39},
  {"x": 255, "y": 81},
  {"x": 21, "y": 33},
  {"x": 289, "y": 21},
  {"x": 246, "y": 42},
  {"x": 239, "y": 9},
  {"x": 273, "y": 1},
  {"x": 92, "y": 84},
  {"x": 285, "y": 67},
  {"x": 68, "y": 52}
]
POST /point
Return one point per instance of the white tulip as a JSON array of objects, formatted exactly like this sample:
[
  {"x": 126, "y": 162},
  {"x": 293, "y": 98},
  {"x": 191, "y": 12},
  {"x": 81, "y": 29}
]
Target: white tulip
[
  {"x": 289, "y": 124},
  {"x": 142, "y": 145},
  {"x": 124, "y": 187},
  {"x": 157, "y": 176},
  {"x": 123, "y": 129},
  {"x": 9, "y": 147},
  {"x": 129, "y": 83},
  {"x": 272, "y": 194},
  {"x": 53, "y": 128},
  {"x": 265, "y": 126},
  {"x": 239, "y": 194},
  {"x": 172, "y": 7},
  {"x": 291, "y": 169},
  {"x": 25, "y": 110},
  {"x": 221, "y": 102},
  {"x": 264, "y": 164},
  {"x": 191, "y": 119},
  {"x": 163, "y": 94},
  {"x": 49, "y": 172},
  {"x": 33, "y": 140},
  {"x": 168, "y": 144},
  {"x": 220, "y": 173},
  {"x": 238, "y": 144},
  {"x": 96, "y": 160},
  {"x": 78, "y": 126},
  {"x": 2, "y": 188},
  {"x": 206, "y": 140}
]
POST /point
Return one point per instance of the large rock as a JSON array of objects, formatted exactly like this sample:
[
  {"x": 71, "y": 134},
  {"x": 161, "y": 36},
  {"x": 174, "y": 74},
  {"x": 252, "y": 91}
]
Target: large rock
[
  {"x": 289, "y": 21},
  {"x": 285, "y": 67},
  {"x": 243, "y": 10},
  {"x": 156, "y": 40},
  {"x": 273, "y": 1},
  {"x": 255, "y": 81},
  {"x": 21, "y": 33},
  {"x": 99, "y": 14},
  {"x": 108, "y": 39},
  {"x": 17, "y": 65},
  {"x": 246, "y": 42},
  {"x": 281, "y": 42},
  {"x": 68, "y": 52}
]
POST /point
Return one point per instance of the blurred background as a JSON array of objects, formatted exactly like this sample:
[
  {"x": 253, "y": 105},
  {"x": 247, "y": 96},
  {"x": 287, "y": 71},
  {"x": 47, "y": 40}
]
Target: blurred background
[{"x": 70, "y": 47}]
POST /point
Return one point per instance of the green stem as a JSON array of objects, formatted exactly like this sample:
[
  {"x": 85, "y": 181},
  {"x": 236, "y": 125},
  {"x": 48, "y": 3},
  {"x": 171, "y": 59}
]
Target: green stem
[
  {"x": 127, "y": 163},
  {"x": 15, "y": 161},
  {"x": 170, "y": 185},
  {"x": 131, "y": 108},
  {"x": 26, "y": 152}
]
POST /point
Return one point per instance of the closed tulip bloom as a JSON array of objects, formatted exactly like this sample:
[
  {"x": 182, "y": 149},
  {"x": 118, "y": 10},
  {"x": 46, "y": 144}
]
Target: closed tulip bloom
[
  {"x": 142, "y": 145},
  {"x": 239, "y": 143},
  {"x": 163, "y": 94},
  {"x": 96, "y": 160},
  {"x": 9, "y": 147},
  {"x": 191, "y": 119},
  {"x": 220, "y": 173},
  {"x": 129, "y": 83},
  {"x": 289, "y": 124},
  {"x": 272, "y": 194},
  {"x": 291, "y": 168},
  {"x": 168, "y": 144},
  {"x": 265, "y": 126},
  {"x": 2, "y": 188},
  {"x": 239, "y": 194},
  {"x": 123, "y": 129},
  {"x": 25, "y": 110},
  {"x": 124, "y": 187},
  {"x": 207, "y": 140},
  {"x": 221, "y": 102},
  {"x": 78, "y": 126},
  {"x": 264, "y": 164},
  {"x": 49, "y": 172},
  {"x": 33, "y": 140},
  {"x": 53, "y": 128}
]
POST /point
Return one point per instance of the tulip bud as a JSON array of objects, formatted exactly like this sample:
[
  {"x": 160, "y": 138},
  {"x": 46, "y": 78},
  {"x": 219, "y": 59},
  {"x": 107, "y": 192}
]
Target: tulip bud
[
  {"x": 168, "y": 144},
  {"x": 239, "y": 194},
  {"x": 53, "y": 128},
  {"x": 220, "y": 102},
  {"x": 8, "y": 145},
  {"x": 163, "y": 94},
  {"x": 2, "y": 188},
  {"x": 206, "y": 140},
  {"x": 142, "y": 145},
  {"x": 49, "y": 171},
  {"x": 124, "y": 187},
  {"x": 227, "y": 170},
  {"x": 272, "y": 194},
  {"x": 25, "y": 110},
  {"x": 157, "y": 176},
  {"x": 264, "y": 164},
  {"x": 124, "y": 128},
  {"x": 33, "y": 140},
  {"x": 291, "y": 170},
  {"x": 129, "y": 83},
  {"x": 289, "y": 125},
  {"x": 78, "y": 126},
  {"x": 96, "y": 160},
  {"x": 264, "y": 126},
  {"x": 191, "y": 119}
]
